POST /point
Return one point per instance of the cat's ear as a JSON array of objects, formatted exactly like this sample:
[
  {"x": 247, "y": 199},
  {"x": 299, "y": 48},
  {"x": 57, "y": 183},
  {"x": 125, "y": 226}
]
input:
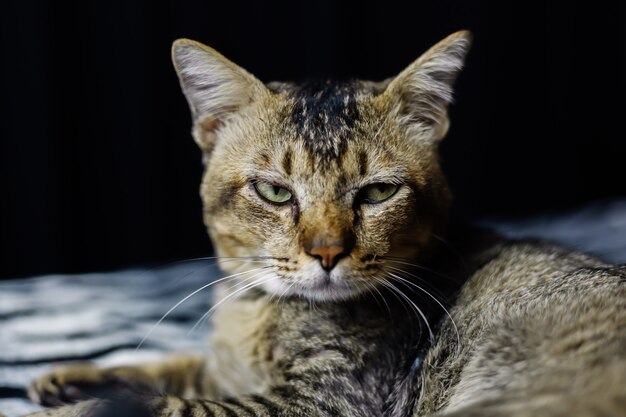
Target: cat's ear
[
  {"x": 422, "y": 92},
  {"x": 215, "y": 88}
]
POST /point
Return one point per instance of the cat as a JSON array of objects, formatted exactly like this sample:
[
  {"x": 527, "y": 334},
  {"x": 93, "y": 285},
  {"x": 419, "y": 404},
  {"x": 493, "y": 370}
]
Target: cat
[{"x": 326, "y": 203}]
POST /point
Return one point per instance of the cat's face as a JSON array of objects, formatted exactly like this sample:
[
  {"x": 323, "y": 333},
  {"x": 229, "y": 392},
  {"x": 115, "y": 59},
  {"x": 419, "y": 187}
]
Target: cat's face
[{"x": 322, "y": 185}]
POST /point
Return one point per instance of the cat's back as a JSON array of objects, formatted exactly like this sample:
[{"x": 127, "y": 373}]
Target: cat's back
[
  {"x": 521, "y": 277},
  {"x": 538, "y": 325}
]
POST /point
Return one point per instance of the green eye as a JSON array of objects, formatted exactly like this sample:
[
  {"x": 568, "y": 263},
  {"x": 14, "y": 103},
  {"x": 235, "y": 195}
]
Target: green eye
[
  {"x": 378, "y": 192},
  {"x": 272, "y": 193}
]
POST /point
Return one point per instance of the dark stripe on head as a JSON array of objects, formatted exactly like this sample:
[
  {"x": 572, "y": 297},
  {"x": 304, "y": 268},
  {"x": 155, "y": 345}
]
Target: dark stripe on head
[
  {"x": 265, "y": 158},
  {"x": 287, "y": 156},
  {"x": 363, "y": 163},
  {"x": 324, "y": 114}
]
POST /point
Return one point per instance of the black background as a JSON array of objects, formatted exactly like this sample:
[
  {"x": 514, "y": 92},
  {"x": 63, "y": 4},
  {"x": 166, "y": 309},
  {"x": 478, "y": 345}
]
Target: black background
[{"x": 98, "y": 169}]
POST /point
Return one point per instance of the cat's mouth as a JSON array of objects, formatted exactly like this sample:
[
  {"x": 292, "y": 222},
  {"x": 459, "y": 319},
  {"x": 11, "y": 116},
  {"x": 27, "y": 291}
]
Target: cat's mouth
[
  {"x": 325, "y": 282},
  {"x": 326, "y": 291},
  {"x": 319, "y": 285}
]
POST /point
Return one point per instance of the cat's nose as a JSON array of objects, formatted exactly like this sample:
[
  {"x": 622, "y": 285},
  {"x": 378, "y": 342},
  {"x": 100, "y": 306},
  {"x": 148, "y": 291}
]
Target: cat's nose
[{"x": 328, "y": 255}]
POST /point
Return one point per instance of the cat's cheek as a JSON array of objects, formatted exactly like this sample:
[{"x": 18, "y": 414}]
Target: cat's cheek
[
  {"x": 372, "y": 235},
  {"x": 277, "y": 287}
]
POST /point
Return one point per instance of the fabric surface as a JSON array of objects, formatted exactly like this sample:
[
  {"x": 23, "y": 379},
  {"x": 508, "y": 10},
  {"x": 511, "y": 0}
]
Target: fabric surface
[
  {"x": 102, "y": 317},
  {"x": 96, "y": 317}
]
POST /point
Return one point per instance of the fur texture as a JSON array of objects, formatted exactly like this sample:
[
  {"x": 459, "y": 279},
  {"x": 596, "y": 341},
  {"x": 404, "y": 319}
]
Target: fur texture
[
  {"x": 335, "y": 293},
  {"x": 542, "y": 331}
]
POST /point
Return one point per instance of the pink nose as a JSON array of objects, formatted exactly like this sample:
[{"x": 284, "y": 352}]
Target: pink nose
[{"x": 328, "y": 255}]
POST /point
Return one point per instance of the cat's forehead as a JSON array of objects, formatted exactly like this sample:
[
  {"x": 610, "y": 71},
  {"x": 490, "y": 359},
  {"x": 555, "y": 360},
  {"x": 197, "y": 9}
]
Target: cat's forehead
[{"x": 325, "y": 115}]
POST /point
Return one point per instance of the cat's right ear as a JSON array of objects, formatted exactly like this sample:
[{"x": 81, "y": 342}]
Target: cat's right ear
[
  {"x": 215, "y": 88},
  {"x": 423, "y": 91}
]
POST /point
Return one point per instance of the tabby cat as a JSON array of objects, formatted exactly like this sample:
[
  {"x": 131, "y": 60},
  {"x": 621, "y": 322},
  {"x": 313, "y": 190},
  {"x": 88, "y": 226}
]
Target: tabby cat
[{"x": 327, "y": 204}]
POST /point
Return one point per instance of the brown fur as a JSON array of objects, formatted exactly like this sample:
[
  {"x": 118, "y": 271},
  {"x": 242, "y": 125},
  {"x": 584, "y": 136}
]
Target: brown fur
[
  {"x": 543, "y": 332},
  {"x": 534, "y": 322}
]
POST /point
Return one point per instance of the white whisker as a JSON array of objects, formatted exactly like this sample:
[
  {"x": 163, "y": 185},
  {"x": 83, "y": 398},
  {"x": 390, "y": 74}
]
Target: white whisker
[
  {"x": 420, "y": 279},
  {"x": 282, "y": 295},
  {"x": 408, "y": 282},
  {"x": 452, "y": 249},
  {"x": 383, "y": 282},
  {"x": 392, "y": 260},
  {"x": 188, "y": 297},
  {"x": 216, "y": 259},
  {"x": 262, "y": 280},
  {"x": 417, "y": 309},
  {"x": 371, "y": 288}
]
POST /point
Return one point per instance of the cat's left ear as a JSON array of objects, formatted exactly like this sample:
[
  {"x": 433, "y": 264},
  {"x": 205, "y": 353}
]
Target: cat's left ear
[{"x": 422, "y": 92}]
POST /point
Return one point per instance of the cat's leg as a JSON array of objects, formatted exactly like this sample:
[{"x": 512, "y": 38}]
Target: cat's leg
[
  {"x": 179, "y": 375},
  {"x": 327, "y": 393},
  {"x": 282, "y": 401}
]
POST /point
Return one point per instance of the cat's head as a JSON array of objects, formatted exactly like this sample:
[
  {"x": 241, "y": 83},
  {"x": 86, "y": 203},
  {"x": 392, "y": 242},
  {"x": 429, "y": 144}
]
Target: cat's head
[{"x": 324, "y": 184}]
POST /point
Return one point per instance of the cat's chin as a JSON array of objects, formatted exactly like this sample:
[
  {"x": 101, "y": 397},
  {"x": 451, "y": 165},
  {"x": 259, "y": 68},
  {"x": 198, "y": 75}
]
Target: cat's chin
[{"x": 317, "y": 290}]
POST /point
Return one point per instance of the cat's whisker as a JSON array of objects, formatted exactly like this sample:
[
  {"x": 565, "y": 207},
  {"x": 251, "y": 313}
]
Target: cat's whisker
[
  {"x": 420, "y": 279},
  {"x": 208, "y": 313},
  {"x": 188, "y": 297},
  {"x": 272, "y": 295},
  {"x": 369, "y": 290},
  {"x": 453, "y": 250},
  {"x": 233, "y": 295},
  {"x": 403, "y": 261},
  {"x": 417, "y": 309},
  {"x": 282, "y": 295},
  {"x": 217, "y": 261},
  {"x": 382, "y": 281},
  {"x": 243, "y": 282},
  {"x": 206, "y": 258},
  {"x": 315, "y": 302},
  {"x": 408, "y": 282},
  {"x": 209, "y": 258},
  {"x": 370, "y": 287}
]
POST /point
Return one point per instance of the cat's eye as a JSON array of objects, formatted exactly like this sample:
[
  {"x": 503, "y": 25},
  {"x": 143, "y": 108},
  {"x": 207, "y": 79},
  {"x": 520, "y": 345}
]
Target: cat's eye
[
  {"x": 272, "y": 193},
  {"x": 377, "y": 192}
]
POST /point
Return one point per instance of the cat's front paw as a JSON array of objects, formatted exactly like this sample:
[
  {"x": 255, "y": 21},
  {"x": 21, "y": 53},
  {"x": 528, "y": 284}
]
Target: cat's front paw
[{"x": 69, "y": 384}]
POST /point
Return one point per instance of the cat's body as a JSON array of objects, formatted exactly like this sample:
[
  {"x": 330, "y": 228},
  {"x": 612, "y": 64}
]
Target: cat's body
[
  {"x": 326, "y": 202},
  {"x": 543, "y": 333}
]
